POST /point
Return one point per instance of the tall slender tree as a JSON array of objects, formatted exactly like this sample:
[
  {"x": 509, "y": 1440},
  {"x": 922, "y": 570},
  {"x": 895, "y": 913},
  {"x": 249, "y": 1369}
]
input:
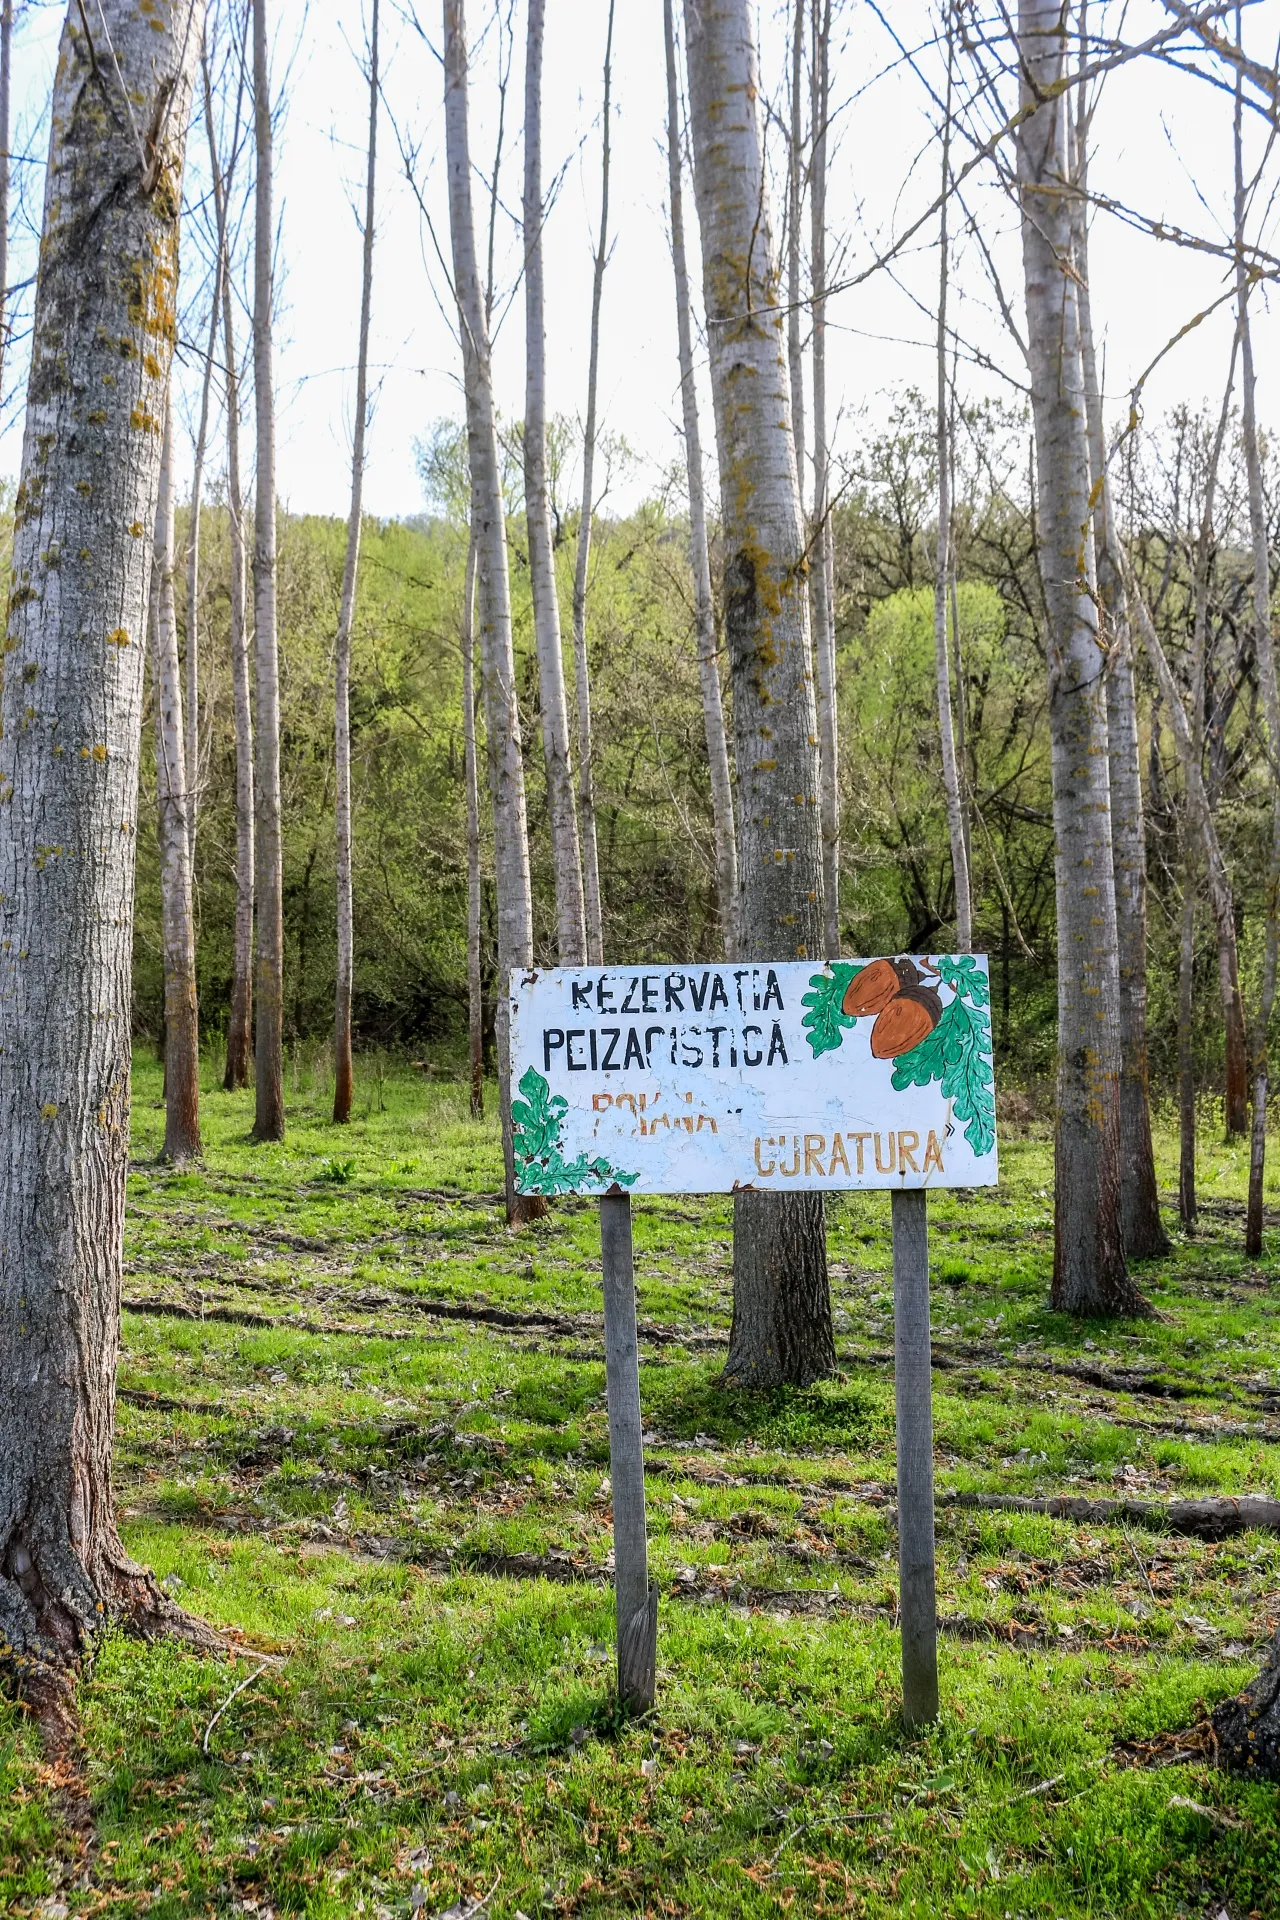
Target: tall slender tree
[
  {"x": 571, "y": 927},
  {"x": 1089, "y": 1274},
  {"x": 71, "y": 714},
  {"x": 699, "y": 553},
  {"x": 822, "y": 563},
  {"x": 1144, "y": 1234},
  {"x": 781, "y": 1305},
  {"x": 471, "y": 774},
  {"x": 240, "y": 1023},
  {"x": 268, "y": 1118},
  {"x": 192, "y": 700},
  {"x": 502, "y": 713},
  {"x": 795, "y": 251},
  {"x": 6, "y": 88},
  {"x": 951, "y": 773},
  {"x": 1264, "y": 656},
  {"x": 342, "y": 1074},
  {"x": 181, "y": 1013},
  {"x": 582, "y": 672}
]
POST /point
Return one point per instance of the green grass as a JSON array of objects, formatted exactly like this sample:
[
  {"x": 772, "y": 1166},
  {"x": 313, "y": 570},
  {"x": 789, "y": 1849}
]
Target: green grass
[{"x": 405, "y": 1515}]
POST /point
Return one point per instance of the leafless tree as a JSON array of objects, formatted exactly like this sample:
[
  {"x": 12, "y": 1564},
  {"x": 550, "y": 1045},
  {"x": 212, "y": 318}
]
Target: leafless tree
[
  {"x": 342, "y": 1074},
  {"x": 582, "y": 673},
  {"x": 704, "y": 610}
]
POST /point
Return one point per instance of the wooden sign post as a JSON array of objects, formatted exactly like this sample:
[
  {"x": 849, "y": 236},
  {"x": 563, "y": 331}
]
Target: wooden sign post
[
  {"x": 636, "y": 1601},
  {"x": 859, "y": 1074}
]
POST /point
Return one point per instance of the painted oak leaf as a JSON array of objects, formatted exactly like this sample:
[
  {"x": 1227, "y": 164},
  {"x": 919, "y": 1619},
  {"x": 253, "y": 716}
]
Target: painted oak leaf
[
  {"x": 958, "y": 1053},
  {"x": 825, "y": 1021},
  {"x": 961, "y": 972},
  {"x": 539, "y": 1155}
]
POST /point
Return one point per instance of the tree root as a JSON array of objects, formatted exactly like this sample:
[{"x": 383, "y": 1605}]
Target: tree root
[{"x": 1248, "y": 1726}]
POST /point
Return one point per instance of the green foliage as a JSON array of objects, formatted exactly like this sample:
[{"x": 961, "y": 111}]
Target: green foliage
[
  {"x": 825, "y": 1021},
  {"x": 336, "y": 1173},
  {"x": 540, "y": 1163},
  {"x": 957, "y": 1052}
]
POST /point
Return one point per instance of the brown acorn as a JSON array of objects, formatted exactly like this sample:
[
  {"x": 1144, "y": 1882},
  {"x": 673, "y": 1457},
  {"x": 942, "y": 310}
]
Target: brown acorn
[
  {"x": 872, "y": 990},
  {"x": 909, "y": 1018}
]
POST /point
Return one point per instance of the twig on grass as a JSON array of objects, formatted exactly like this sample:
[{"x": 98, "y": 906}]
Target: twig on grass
[
  {"x": 1133, "y": 1553},
  {"x": 233, "y": 1695}
]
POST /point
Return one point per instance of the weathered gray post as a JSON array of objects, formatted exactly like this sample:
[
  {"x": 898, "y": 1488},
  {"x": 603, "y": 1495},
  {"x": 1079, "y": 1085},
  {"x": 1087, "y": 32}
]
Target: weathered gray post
[
  {"x": 636, "y": 1600},
  {"x": 913, "y": 1388}
]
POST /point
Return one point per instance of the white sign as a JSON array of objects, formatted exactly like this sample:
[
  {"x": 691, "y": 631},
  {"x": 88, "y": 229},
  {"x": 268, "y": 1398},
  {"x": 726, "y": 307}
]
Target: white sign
[{"x": 860, "y": 1073}]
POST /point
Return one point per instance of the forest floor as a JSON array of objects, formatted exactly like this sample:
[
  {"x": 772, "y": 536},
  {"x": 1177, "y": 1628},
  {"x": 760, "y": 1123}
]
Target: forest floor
[{"x": 362, "y": 1428}]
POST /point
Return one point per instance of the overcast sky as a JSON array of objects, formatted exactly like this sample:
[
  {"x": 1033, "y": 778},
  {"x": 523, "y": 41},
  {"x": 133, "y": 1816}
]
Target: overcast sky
[{"x": 1163, "y": 148}]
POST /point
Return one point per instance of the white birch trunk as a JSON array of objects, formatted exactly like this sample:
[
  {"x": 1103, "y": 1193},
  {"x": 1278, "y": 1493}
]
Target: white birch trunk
[
  {"x": 942, "y": 570},
  {"x": 502, "y": 713},
  {"x": 240, "y": 1025},
  {"x": 268, "y": 1118},
  {"x": 1140, "y": 1222},
  {"x": 581, "y": 668},
  {"x": 181, "y": 1013},
  {"x": 822, "y": 564},
  {"x": 571, "y": 926},
  {"x": 782, "y": 1309},
  {"x": 1089, "y": 1274},
  {"x": 70, "y": 734},
  {"x": 699, "y": 554},
  {"x": 342, "y": 1071}
]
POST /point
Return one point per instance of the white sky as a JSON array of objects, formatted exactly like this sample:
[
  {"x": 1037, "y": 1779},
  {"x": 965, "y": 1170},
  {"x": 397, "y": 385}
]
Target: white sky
[{"x": 1163, "y": 146}]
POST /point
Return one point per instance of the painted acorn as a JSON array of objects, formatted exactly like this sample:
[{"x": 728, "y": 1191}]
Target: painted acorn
[
  {"x": 909, "y": 1018},
  {"x": 872, "y": 990}
]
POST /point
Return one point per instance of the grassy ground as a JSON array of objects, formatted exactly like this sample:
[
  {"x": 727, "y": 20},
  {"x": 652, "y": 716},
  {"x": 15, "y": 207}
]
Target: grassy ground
[{"x": 372, "y": 1444}]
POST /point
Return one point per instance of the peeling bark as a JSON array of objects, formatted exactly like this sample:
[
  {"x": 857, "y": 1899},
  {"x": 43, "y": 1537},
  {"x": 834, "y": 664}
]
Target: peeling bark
[
  {"x": 71, "y": 710},
  {"x": 782, "y": 1309}
]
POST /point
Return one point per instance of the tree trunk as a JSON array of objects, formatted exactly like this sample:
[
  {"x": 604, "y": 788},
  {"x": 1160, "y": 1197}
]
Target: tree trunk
[
  {"x": 1144, "y": 1234},
  {"x": 1248, "y": 1725},
  {"x": 782, "y": 1309},
  {"x": 475, "y": 997},
  {"x": 1187, "y": 1209},
  {"x": 181, "y": 1013},
  {"x": 192, "y": 742},
  {"x": 240, "y": 1030},
  {"x": 268, "y": 1118},
  {"x": 822, "y": 564},
  {"x": 502, "y": 713},
  {"x": 1089, "y": 1274},
  {"x": 70, "y": 729},
  {"x": 942, "y": 567},
  {"x": 6, "y": 64},
  {"x": 582, "y": 674},
  {"x": 699, "y": 554},
  {"x": 1265, "y": 656},
  {"x": 571, "y": 928},
  {"x": 795, "y": 203},
  {"x": 342, "y": 1075}
]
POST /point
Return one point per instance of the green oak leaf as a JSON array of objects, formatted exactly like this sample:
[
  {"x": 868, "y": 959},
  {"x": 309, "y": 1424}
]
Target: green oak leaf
[
  {"x": 958, "y": 1053},
  {"x": 539, "y": 1156},
  {"x": 961, "y": 972},
  {"x": 825, "y": 1020}
]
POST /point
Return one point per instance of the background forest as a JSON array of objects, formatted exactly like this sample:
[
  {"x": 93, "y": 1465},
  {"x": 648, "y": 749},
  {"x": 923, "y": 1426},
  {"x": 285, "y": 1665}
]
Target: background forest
[{"x": 657, "y": 853}]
